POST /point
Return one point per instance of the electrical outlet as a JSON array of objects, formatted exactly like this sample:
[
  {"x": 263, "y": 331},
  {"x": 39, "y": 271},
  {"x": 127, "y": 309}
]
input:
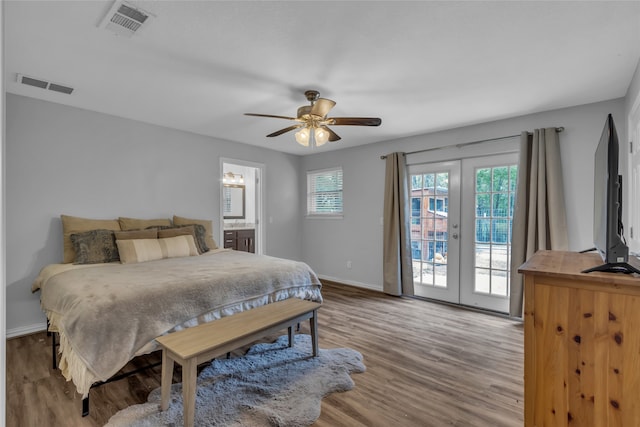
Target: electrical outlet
[{"x": 349, "y": 264}]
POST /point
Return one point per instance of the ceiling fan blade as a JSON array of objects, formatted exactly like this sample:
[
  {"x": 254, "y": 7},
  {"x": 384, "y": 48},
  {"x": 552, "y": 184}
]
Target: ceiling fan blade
[
  {"x": 322, "y": 106},
  {"x": 355, "y": 121},
  {"x": 285, "y": 130},
  {"x": 270, "y": 115},
  {"x": 333, "y": 137}
]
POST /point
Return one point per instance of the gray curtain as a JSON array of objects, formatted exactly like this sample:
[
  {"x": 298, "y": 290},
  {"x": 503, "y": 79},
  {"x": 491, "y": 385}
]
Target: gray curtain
[
  {"x": 396, "y": 261},
  {"x": 539, "y": 219}
]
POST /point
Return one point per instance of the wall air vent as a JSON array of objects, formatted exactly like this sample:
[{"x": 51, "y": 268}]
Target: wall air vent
[
  {"x": 43, "y": 84},
  {"x": 124, "y": 19}
]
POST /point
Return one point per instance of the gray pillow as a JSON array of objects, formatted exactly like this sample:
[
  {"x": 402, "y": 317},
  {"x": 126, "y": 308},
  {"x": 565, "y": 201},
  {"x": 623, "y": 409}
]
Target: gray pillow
[
  {"x": 201, "y": 237},
  {"x": 94, "y": 247}
]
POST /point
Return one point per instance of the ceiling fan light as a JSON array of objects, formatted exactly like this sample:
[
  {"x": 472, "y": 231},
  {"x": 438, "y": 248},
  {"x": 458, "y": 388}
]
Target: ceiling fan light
[
  {"x": 313, "y": 118},
  {"x": 321, "y": 136},
  {"x": 302, "y": 137}
]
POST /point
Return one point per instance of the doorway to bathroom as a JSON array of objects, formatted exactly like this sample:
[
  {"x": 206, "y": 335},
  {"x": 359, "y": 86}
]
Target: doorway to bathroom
[{"x": 241, "y": 205}]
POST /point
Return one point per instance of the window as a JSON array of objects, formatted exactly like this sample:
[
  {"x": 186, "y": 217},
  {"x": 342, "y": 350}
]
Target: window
[
  {"x": 438, "y": 205},
  {"x": 324, "y": 192},
  {"x": 415, "y": 207}
]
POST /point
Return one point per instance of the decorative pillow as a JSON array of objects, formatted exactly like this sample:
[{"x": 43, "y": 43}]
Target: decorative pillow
[
  {"x": 94, "y": 247},
  {"x": 74, "y": 224},
  {"x": 138, "y": 250},
  {"x": 207, "y": 224},
  {"x": 141, "y": 250},
  {"x": 201, "y": 237},
  {"x": 139, "y": 224},
  {"x": 137, "y": 234},
  {"x": 176, "y": 231},
  {"x": 178, "y": 246},
  {"x": 198, "y": 231}
]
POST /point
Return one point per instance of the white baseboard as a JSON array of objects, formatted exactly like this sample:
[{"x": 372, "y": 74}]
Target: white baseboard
[
  {"x": 350, "y": 282},
  {"x": 26, "y": 330}
]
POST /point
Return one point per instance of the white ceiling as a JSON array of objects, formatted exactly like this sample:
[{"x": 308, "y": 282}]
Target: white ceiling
[{"x": 420, "y": 66}]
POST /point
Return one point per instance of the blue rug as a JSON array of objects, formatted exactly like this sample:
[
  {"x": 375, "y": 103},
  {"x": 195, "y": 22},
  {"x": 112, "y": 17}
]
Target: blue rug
[{"x": 272, "y": 385}]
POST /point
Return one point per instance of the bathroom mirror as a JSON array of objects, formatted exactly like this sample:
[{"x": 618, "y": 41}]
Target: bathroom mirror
[{"x": 233, "y": 201}]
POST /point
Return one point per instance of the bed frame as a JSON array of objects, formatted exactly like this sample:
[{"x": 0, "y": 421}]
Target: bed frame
[{"x": 85, "y": 401}]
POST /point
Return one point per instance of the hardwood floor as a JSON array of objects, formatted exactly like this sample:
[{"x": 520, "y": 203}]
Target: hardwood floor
[{"x": 427, "y": 365}]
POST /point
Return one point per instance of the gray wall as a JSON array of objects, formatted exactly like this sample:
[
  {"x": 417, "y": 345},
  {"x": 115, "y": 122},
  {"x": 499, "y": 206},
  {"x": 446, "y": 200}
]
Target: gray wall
[
  {"x": 633, "y": 93},
  {"x": 329, "y": 244},
  {"x": 63, "y": 160}
]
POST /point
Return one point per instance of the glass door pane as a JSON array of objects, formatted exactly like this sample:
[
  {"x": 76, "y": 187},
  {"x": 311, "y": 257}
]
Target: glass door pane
[
  {"x": 434, "y": 211},
  {"x": 489, "y": 187}
]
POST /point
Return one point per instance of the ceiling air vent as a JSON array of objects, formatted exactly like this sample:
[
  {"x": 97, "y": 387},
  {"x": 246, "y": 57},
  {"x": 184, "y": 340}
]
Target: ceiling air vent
[
  {"x": 124, "y": 19},
  {"x": 43, "y": 84}
]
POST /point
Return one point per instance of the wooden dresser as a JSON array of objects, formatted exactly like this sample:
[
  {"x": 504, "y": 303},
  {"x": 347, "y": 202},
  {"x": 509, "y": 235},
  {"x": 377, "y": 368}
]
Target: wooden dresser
[
  {"x": 240, "y": 240},
  {"x": 582, "y": 343}
]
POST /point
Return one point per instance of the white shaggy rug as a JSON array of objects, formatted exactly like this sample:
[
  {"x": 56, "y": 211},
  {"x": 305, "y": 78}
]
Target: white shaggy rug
[{"x": 272, "y": 385}]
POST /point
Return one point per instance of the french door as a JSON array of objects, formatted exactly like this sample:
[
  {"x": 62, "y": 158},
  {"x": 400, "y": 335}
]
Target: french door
[
  {"x": 461, "y": 216},
  {"x": 489, "y": 189},
  {"x": 435, "y": 221}
]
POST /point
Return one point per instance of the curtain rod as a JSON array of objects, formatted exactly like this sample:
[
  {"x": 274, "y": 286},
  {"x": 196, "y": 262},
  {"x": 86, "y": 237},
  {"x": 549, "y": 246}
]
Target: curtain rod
[{"x": 464, "y": 144}]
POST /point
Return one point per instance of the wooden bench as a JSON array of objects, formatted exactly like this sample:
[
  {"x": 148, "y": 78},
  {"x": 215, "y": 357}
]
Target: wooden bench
[{"x": 192, "y": 346}]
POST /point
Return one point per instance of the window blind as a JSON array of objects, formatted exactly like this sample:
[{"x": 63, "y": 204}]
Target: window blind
[{"x": 324, "y": 192}]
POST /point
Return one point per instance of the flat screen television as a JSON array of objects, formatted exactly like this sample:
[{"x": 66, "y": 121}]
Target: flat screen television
[{"x": 608, "y": 235}]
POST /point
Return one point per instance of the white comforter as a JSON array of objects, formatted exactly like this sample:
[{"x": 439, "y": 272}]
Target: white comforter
[{"x": 107, "y": 314}]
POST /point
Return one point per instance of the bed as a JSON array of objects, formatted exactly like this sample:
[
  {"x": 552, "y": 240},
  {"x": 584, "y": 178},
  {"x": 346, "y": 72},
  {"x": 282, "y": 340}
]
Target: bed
[{"x": 108, "y": 313}]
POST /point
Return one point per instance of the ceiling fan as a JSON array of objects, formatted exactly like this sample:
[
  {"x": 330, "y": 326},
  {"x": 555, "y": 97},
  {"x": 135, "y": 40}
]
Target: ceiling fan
[{"x": 313, "y": 122}]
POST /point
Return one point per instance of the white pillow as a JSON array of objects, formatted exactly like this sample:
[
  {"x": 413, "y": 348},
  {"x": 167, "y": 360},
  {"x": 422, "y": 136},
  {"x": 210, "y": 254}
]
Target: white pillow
[{"x": 141, "y": 250}]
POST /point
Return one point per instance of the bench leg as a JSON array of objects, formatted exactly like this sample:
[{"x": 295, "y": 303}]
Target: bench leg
[
  {"x": 167, "y": 375},
  {"x": 292, "y": 336},
  {"x": 189, "y": 370},
  {"x": 313, "y": 325}
]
